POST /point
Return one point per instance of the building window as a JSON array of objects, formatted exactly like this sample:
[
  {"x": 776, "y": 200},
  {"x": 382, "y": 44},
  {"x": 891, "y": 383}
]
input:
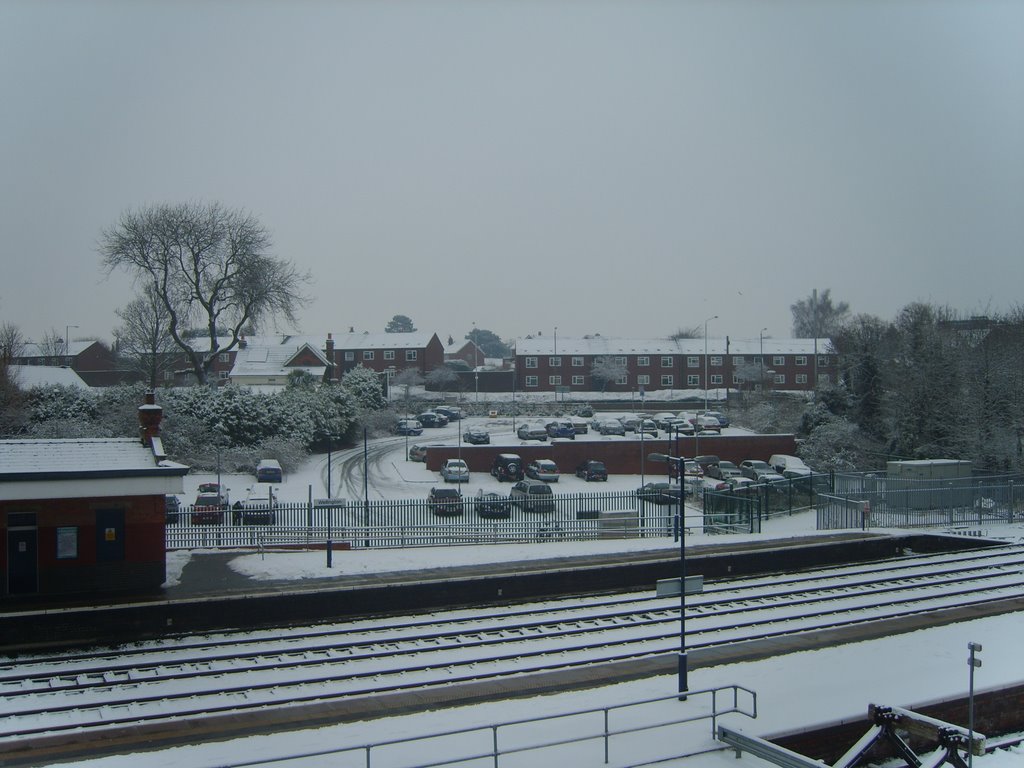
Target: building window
[
  {"x": 643, "y": 361},
  {"x": 577, "y": 381},
  {"x": 801, "y": 378},
  {"x": 168, "y": 375},
  {"x": 823, "y": 360},
  {"x": 643, "y": 380},
  {"x": 756, "y": 360},
  {"x": 801, "y": 360},
  {"x": 411, "y": 355},
  {"x": 389, "y": 354},
  {"x": 716, "y": 360},
  {"x": 623, "y": 379},
  {"x": 824, "y": 378},
  {"x": 555, "y": 362},
  {"x": 737, "y": 359},
  {"x": 350, "y": 355},
  {"x": 577, "y": 362},
  {"x": 666, "y": 379},
  {"x": 531, "y": 362},
  {"x": 666, "y": 361},
  {"x": 368, "y": 354},
  {"x": 780, "y": 378},
  {"x": 531, "y": 381},
  {"x": 716, "y": 378},
  {"x": 693, "y": 362},
  {"x": 224, "y": 357},
  {"x": 555, "y": 381},
  {"x": 736, "y": 378},
  {"x": 223, "y": 375},
  {"x": 693, "y": 381},
  {"x": 620, "y": 360},
  {"x": 778, "y": 360}
]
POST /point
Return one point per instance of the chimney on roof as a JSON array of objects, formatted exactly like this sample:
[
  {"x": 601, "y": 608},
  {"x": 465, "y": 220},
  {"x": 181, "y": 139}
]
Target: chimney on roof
[
  {"x": 150, "y": 416},
  {"x": 242, "y": 342}
]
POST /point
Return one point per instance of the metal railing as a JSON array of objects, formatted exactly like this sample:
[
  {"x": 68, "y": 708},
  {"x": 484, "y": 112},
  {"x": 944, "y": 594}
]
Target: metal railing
[{"x": 576, "y": 729}]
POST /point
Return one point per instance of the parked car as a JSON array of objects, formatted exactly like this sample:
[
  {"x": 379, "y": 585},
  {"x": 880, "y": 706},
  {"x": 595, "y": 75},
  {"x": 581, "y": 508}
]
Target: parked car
[
  {"x": 723, "y": 420},
  {"x": 269, "y": 471},
  {"x": 773, "y": 480},
  {"x": 256, "y": 509},
  {"x": 679, "y": 426},
  {"x": 708, "y": 424},
  {"x": 533, "y": 496},
  {"x": 560, "y": 428},
  {"x": 713, "y": 484},
  {"x": 210, "y": 488},
  {"x": 409, "y": 427},
  {"x": 646, "y": 427},
  {"x": 706, "y": 462},
  {"x": 445, "y": 502},
  {"x": 629, "y": 421},
  {"x": 741, "y": 484},
  {"x": 611, "y": 427},
  {"x": 172, "y": 509},
  {"x": 492, "y": 506},
  {"x": 753, "y": 467},
  {"x": 418, "y": 453},
  {"x": 532, "y": 432},
  {"x": 451, "y": 412},
  {"x": 579, "y": 425},
  {"x": 543, "y": 469},
  {"x": 507, "y": 466},
  {"x": 658, "y": 493},
  {"x": 430, "y": 419},
  {"x": 662, "y": 419},
  {"x": 781, "y": 462},
  {"x": 584, "y": 412},
  {"x": 455, "y": 471},
  {"x": 208, "y": 509},
  {"x": 723, "y": 470},
  {"x": 477, "y": 436},
  {"x": 592, "y": 469}
]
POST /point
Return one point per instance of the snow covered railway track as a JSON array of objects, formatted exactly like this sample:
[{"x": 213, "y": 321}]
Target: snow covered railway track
[{"x": 90, "y": 693}]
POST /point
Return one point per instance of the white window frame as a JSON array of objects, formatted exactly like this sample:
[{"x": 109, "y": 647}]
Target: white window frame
[
  {"x": 224, "y": 357},
  {"x": 620, "y": 359},
  {"x": 778, "y": 360},
  {"x": 716, "y": 361},
  {"x": 801, "y": 360},
  {"x": 737, "y": 359},
  {"x": 801, "y": 378},
  {"x": 716, "y": 379},
  {"x": 555, "y": 361},
  {"x": 823, "y": 361},
  {"x": 367, "y": 354},
  {"x": 532, "y": 381},
  {"x": 389, "y": 354},
  {"x": 411, "y": 355},
  {"x": 578, "y": 381},
  {"x": 349, "y": 355},
  {"x": 780, "y": 378},
  {"x": 223, "y": 375},
  {"x": 623, "y": 379},
  {"x": 643, "y": 361},
  {"x": 643, "y": 380},
  {"x": 577, "y": 362},
  {"x": 667, "y": 380},
  {"x": 692, "y": 361},
  {"x": 693, "y": 380},
  {"x": 666, "y": 361},
  {"x": 530, "y": 362},
  {"x": 555, "y": 381},
  {"x": 824, "y": 378}
]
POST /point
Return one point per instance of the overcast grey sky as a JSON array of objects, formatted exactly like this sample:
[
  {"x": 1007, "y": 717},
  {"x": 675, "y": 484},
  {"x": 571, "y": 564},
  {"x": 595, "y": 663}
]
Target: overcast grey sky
[{"x": 627, "y": 168}]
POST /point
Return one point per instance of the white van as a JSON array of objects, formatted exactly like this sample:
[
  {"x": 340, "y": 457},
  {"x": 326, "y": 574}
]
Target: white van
[{"x": 780, "y": 462}]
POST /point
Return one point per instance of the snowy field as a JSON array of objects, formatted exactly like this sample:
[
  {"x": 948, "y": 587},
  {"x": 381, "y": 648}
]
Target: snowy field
[{"x": 793, "y": 691}]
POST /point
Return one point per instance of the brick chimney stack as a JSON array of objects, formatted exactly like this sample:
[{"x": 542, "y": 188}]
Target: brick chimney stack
[
  {"x": 329, "y": 354},
  {"x": 242, "y": 343},
  {"x": 150, "y": 416}
]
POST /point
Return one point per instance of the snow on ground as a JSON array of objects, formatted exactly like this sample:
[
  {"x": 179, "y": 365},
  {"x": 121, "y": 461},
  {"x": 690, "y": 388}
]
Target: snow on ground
[{"x": 793, "y": 691}]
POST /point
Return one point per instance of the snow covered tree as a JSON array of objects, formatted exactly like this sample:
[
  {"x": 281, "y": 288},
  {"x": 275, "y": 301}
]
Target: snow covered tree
[
  {"x": 490, "y": 343},
  {"x": 209, "y": 266},
  {"x": 606, "y": 370},
  {"x": 364, "y": 386},
  {"x": 441, "y": 379}
]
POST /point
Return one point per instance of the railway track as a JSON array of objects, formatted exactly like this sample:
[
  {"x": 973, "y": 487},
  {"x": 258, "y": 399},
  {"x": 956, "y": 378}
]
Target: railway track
[{"x": 182, "y": 680}]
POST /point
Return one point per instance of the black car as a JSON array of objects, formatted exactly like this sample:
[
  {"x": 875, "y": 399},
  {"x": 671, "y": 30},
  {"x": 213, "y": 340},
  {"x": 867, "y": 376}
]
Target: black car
[
  {"x": 445, "y": 502},
  {"x": 430, "y": 419},
  {"x": 477, "y": 436},
  {"x": 172, "y": 509},
  {"x": 449, "y": 411},
  {"x": 492, "y": 506},
  {"x": 658, "y": 493},
  {"x": 591, "y": 469},
  {"x": 508, "y": 466}
]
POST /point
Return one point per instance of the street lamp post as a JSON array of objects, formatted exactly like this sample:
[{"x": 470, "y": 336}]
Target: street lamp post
[
  {"x": 713, "y": 317},
  {"x": 682, "y": 669},
  {"x": 67, "y": 340},
  {"x": 761, "y": 358}
]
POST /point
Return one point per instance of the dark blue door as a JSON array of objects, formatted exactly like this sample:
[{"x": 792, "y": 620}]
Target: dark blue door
[
  {"x": 109, "y": 535},
  {"x": 22, "y": 561}
]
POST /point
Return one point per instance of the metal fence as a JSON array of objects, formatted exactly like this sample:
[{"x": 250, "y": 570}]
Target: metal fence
[
  {"x": 744, "y": 510},
  {"x": 416, "y": 522},
  {"x": 877, "y": 501}
]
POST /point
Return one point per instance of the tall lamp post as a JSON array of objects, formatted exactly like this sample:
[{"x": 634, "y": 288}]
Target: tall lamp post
[
  {"x": 683, "y": 687},
  {"x": 67, "y": 341},
  {"x": 713, "y": 317},
  {"x": 761, "y": 358}
]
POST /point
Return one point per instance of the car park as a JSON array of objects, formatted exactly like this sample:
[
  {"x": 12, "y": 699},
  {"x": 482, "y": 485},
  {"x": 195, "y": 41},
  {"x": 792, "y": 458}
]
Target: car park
[
  {"x": 706, "y": 462},
  {"x": 662, "y": 419},
  {"x": 256, "y": 509},
  {"x": 430, "y": 419},
  {"x": 477, "y": 436},
  {"x": 445, "y": 502},
  {"x": 560, "y": 428},
  {"x": 658, "y": 493},
  {"x": 455, "y": 471},
  {"x": 507, "y": 466},
  {"x": 208, "y": 509},
  {"x": 723, "y": 420},
  {"x": 409, "y": 427},
  {"x": 611, "y": 427},
  {"x": 492, "y": 506},
  {"x": 753, "y": 467},
  {"x": 781, "y": 462},
  {"x": 532, "y": 496},
  {"x": 708, "y": 424},
  {"x": 629, "y": 421},
  {"x": 579, "y": 425},
  {"x": 646, "y": 427},
  {"x": 543, "y": 469},
  {"x": 679, "y": 426},
  {"x": 532, "y": 432},
  {"x": 591, "y": 469}
]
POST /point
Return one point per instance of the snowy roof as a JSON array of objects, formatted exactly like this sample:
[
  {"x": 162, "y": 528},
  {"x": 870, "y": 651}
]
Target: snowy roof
[
  {"x": 602, "y": 345},
  {"x": 28, "y": 376},
  {"x": 273, "y": 360},
  {"x": 414, "y": 340},
  {"x": 93, "y": 457},
  {"x": 32, "y": 349}
]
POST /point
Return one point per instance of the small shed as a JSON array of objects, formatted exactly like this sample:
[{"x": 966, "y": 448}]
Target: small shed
[{"x": 86, "y": 516}]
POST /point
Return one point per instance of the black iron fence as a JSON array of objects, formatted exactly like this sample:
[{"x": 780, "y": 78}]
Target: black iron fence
[
  {"x": 878, "y": 501},
  {"x": 744, "y": 509}
]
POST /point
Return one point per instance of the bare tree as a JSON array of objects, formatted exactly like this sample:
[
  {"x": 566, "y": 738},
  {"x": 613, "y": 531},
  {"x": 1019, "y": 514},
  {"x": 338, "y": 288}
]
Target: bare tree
[
  {"x": 143, "y": 342},
  {"x": 407, "y": 378},
  {"x": 694, "y": 332},
  {"x": 209, "y": 266},
  {"x": 816, "y": 317},
  {"x": 12, "y": 346},
  {"x": 442, "y": 379},
  {"x": 606, "y": 370}
]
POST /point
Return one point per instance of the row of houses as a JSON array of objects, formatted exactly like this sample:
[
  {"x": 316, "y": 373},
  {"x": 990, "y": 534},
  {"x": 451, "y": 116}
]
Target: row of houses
[{"x": 538, "y": 364}]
